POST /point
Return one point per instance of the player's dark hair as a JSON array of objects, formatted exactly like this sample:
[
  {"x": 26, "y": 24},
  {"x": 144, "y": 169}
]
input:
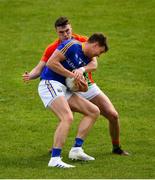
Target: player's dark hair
[
  {"x": 100, "y": 38},
  {"x": 61, "y": 21}
]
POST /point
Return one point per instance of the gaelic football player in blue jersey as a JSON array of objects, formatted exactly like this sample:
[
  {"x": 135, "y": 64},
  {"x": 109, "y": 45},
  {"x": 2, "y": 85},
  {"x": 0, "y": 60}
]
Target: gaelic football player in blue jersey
[{"x": 70, "y": 55}]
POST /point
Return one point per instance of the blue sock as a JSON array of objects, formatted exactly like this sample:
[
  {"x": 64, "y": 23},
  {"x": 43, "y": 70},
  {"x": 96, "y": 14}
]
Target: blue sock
[
  {"x": 78, "y": 142},
  {"x": 56, "y": 152}
]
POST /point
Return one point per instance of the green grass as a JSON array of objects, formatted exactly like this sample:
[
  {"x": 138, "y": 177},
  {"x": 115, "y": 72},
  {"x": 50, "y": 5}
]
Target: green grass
[{"x": 126, "y": 74}]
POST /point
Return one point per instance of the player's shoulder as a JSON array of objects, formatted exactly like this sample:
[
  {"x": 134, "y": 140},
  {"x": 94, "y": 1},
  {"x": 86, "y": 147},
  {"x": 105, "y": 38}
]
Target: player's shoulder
[
  {"x": 54, "y": 44},
  {"x": 70, "y": 42},
  {"x": 49, "y": 50},
  {"x": 79, "y": 37},
  {"x": 69, "y": 46}
]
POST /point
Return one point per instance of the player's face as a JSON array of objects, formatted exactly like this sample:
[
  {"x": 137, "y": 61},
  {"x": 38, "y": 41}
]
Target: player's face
[
  {"x": 96, "y": 50},
  {"x": 64, "y": 32}
]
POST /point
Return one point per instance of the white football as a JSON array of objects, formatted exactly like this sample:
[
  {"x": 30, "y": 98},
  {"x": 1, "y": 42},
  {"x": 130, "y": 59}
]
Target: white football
[{"x": 70, "y": 83}]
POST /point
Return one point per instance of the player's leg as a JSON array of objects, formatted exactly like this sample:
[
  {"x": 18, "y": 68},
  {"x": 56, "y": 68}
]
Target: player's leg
[
  {"x": 91, "y": 112},
  {"x": 53, "y": 97},
  {"x": 107, "y": 110},
  {"x": 97, "y": 97},
  {"x": 88, "y": 109},
  {"x": 62, "y": 110}
]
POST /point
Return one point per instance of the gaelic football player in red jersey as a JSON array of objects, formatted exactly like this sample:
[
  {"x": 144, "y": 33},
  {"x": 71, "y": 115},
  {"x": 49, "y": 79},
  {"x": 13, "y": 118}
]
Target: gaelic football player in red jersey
[{"x": 94, "y": 94}]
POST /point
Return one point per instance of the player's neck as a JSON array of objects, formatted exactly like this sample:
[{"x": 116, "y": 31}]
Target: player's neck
[{"x": 84, "y": 48}]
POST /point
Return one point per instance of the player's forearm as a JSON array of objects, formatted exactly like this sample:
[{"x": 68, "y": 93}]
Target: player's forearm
[
  {"x": 36, "y": 71},
  {"x": 58, "y": 68},
  {"x": 91, "y": 66},
  {"x": 34, "y": 75},
  {"x": 29, "y": 76}
]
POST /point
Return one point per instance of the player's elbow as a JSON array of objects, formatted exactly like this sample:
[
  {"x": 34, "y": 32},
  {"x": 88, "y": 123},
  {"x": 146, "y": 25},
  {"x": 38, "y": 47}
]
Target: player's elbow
[
  {"x": 47, "y": 64},
  {"x": 93, "y": 64},
  {"x": 95, "y": 67}
]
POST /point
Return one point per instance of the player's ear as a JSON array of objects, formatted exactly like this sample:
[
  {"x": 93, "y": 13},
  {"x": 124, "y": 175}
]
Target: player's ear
[{"x": 95, "y": 44}]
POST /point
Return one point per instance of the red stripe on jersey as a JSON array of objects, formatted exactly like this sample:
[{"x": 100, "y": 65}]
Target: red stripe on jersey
[{"x": 90, "y": 77}]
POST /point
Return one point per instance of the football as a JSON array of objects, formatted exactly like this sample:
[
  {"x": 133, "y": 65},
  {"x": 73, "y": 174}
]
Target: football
[
  {"x": 71, "y": 84},
  {"x": 76, "y": 85}
]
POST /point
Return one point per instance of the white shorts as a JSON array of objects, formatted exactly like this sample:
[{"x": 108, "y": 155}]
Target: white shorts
[
  {"x": 93, "y": 91},
  {"x": 49, "y": 90}
]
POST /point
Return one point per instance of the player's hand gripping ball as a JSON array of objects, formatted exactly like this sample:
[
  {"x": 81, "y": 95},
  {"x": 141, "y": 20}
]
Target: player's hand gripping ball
[{"x": 76, "y": 85}]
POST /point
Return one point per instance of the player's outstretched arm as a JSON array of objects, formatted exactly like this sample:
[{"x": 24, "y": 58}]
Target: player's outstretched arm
[{"x": 34, "y": 73}]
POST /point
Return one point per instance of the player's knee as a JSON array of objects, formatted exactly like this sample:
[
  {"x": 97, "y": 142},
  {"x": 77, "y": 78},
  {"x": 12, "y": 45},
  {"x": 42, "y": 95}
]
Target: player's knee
[
  {"x": 114, "y": 116},
  {"x": 68, "y": 118},
  {"x": 111, "y": 115},
  {"x": 95, "y": 112}
]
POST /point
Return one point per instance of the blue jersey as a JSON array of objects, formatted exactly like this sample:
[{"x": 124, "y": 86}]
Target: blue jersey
[{"x": 75, "y": 59}]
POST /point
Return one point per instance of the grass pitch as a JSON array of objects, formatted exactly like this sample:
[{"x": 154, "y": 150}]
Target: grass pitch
[{"x": 126, "y": 74}]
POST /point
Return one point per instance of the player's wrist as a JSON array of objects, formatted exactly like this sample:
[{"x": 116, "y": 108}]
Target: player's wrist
[
  {"x": 31, "y": 76},
  {"x": 82, "y": 69},
  {"x": 71, "y": 75}
]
